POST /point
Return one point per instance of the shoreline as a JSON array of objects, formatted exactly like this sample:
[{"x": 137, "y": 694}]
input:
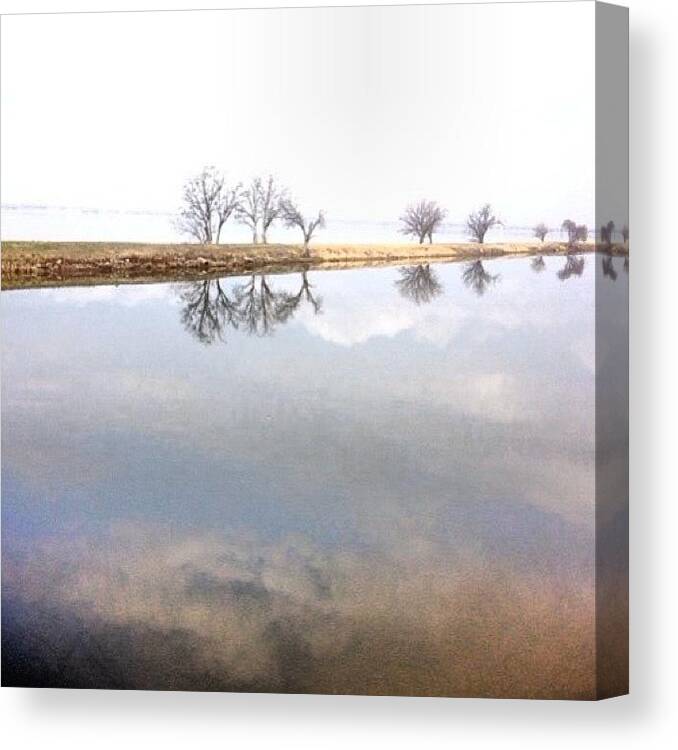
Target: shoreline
[{"x": 28, "y": 264}]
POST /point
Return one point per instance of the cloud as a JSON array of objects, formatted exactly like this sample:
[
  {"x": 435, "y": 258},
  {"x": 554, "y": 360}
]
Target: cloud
[{"x": 126, "y": 295}]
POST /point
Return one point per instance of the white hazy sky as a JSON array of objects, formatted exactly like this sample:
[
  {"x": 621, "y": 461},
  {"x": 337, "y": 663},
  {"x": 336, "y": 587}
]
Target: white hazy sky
[{"x": 358, "y": 110}]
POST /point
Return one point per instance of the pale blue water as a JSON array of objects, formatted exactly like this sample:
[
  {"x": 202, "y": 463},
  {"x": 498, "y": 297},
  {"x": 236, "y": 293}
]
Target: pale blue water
[{"x": 378, "y": 480}]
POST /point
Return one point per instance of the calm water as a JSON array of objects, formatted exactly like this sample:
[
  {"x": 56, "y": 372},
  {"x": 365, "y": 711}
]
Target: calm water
[{"x": 367, "y": 481}]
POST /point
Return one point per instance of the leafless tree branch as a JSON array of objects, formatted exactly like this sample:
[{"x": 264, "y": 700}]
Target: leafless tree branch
[
  {"x": 421, "y": 220},
  {"x": 480, "y": 222},
  {"x": 293, "y": 217},
  {"x": 207, "y": 206}
]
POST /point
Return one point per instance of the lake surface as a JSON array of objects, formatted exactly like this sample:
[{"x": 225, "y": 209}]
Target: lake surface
[{"x": 367, "y": 481}]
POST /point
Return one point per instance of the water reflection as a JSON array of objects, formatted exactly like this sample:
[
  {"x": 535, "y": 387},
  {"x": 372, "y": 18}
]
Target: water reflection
[
  {"x": 608, "y": 268},
  {"x": 538, "y": 264},
  {"x": 574, "y": 266},
  {"x": 312, "y": 514},
  {"x": 261, "y": 307},
  {"x": 258, "y": 306},
  {"x": 304, "y": 294},
  {"x": 209, "y": 308},
  {"x": 477, "y": 278},
  {"x": 419, "y": 283}
]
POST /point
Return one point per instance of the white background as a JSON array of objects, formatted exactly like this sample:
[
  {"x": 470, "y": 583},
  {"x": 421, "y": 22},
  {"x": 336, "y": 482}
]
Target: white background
[
  {"x": 647, "y": 718},
  {"x": 348, "y": 108}
]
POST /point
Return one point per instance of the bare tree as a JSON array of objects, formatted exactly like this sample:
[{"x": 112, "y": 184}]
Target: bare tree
[
  {"x": 480, "y": 222},
  {"x": 422, "y": 220},
  {"x": 293, "y": 217},
  {"x": 207, "y": 205},
  {"x": 541, "y": 230},
  {"x": 607, "y": 233},
  {"x": 570, "y": 227},
  {"x": 272, "y": 199},
  {"x": 477, "y": 278},
  {"x": 249, "y": 210},
  {"x": 419, "y": 283},
  {"x": 625, "y": 233},
  {"x": 575, "y": 232}
]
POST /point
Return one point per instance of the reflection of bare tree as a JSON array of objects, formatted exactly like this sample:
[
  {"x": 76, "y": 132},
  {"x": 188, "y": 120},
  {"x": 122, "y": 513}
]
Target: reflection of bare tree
[
  {"x": 260, "y": 307},
  {"x": 574, "y": 266},
  {"x": 255, "y": 306},
  {"x": 477, "y": 278},
  {"x": 207, "y": 310},
  {"x": 626, "y": 264},
  {"x": 291, "y": 302},
  {"x": 419, "y": 283},
  {"x": 538, "y": 264},
  {"x": 609, "y": 269}
]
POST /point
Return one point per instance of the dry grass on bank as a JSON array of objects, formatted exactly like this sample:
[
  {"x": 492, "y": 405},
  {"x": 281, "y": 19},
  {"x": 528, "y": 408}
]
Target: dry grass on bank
[{"x": 26, "y": 263}]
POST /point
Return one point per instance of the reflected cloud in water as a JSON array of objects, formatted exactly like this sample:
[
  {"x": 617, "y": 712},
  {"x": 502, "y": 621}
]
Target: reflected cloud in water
[
  {"x": 310, "y": 515},
  {"x": 153, "y": 610}
]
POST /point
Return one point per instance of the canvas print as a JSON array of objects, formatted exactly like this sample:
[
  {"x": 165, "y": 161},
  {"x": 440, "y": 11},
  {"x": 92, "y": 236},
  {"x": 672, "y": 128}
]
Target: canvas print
[{"x": 315, "y": 350}]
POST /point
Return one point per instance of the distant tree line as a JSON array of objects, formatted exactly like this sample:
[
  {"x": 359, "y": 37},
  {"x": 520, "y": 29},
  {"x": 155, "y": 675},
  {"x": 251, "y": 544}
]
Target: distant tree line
[
  {"x": 209, "y": 202},
  {"x": 423, "y": 219}
]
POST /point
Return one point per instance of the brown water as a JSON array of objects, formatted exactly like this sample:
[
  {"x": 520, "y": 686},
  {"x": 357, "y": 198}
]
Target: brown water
[{"x": 366, "y": 481}]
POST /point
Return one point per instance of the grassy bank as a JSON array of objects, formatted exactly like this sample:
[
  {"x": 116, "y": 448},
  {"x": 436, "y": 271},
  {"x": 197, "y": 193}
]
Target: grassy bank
[{"x": 26, "y": 264}]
